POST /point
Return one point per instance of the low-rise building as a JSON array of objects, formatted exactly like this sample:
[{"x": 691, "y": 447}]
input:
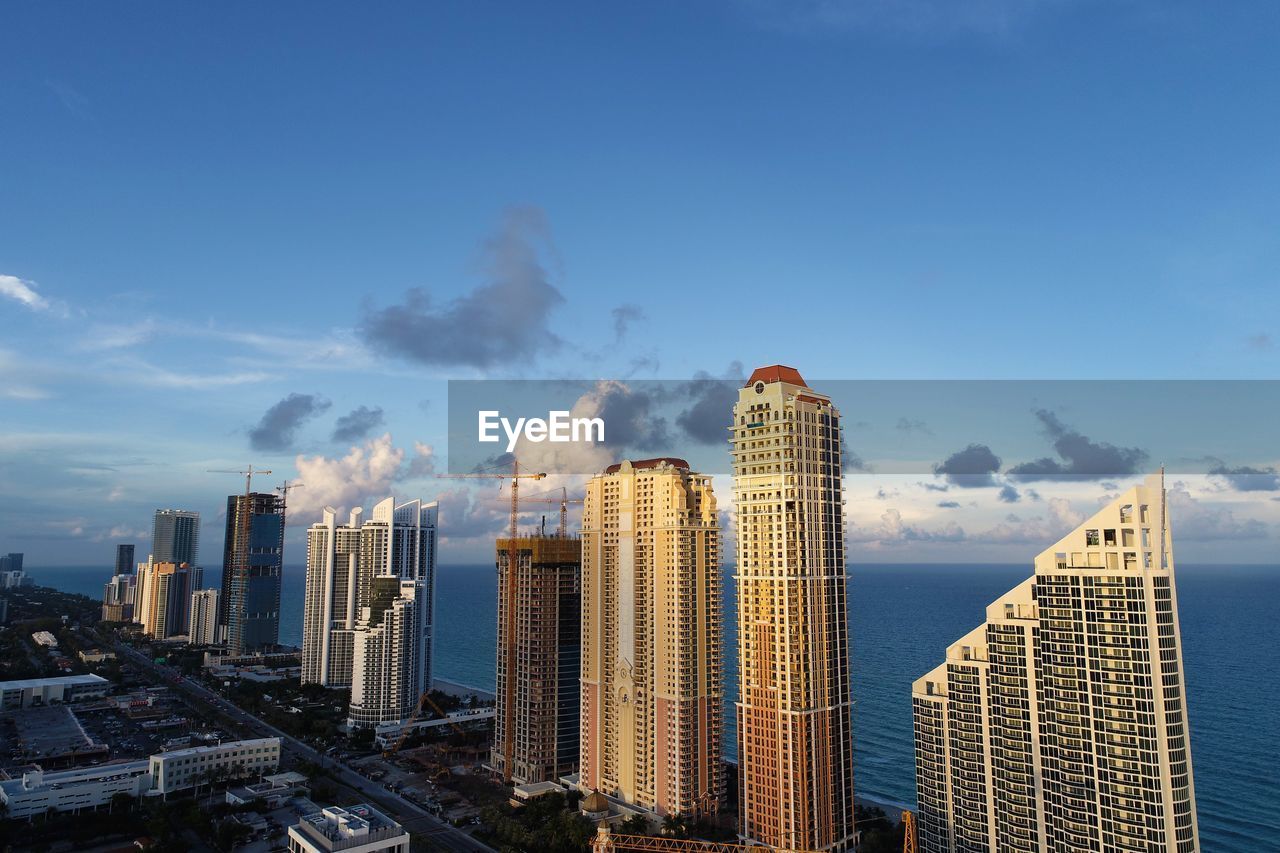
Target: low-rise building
[
  {"x": 272, "y": 791},
  {"x": 44, "y": 638},
  {"x": 96, "y": 655},
  {"x": 197, "y": 765},
  {"x": 28, "y": 692},
  {"x": 72, "y": 790},
  {"x": 355, "y": 829}
]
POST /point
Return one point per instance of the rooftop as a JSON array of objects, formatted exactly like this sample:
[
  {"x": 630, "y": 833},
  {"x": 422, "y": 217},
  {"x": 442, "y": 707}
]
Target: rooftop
[
  {"x": 658, "y": 462},
  {"x": 29, "y": 683},
  {"x": 776, "y": 373},
  {"x": 338, "y": 828}
]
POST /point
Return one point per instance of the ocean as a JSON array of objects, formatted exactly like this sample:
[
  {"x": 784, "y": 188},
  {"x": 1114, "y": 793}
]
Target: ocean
[{"x": 902, "y": 618}]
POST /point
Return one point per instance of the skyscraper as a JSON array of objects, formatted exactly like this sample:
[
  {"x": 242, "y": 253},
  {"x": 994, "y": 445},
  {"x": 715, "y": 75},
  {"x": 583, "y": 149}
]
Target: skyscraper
[
  {"x": 249, "y": 606},
  {"x": 1061, "y": 723},
  {"x": 537, "y": 709},
  {"x": 342, "y": 562},
  {"x": 204, "y": 617},
  {"x": 175, "y": 536},
  {"x": 332, "y": 599},
  {"x": 651, "y": 665},
  {"x": 124, "y": 560},
  {"x": 388, "y": 648},
  {"x": 795, "y": 738},
  {"x": 162, "y": 598}
]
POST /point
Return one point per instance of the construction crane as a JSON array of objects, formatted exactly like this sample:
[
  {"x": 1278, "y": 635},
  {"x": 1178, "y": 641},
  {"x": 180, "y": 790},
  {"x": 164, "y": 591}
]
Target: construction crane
[
  {"x": 564, "y": 500},
  {"x": 908, "y": 833},
  {"x": 284, "y": 489},
  {"x": 424, "y": 699},
  {"x": 607, "y": 842},
  {"x": 235, "y": 595},
  {"x": 513, "y": 560}
]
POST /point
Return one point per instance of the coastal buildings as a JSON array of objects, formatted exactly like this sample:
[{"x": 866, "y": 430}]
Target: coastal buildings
[
  {"x": 1061, "y": 724},
  {"x": 651, "y": 667},
  {"x": 332, "y": 599},
  {"x": 253, "y": 554},
  {"x": 795, "y": 740},
  {"x": 175, "y": 536},
  {"x": 537, "y": 720},
  {"x": 342, "y": 562},
  {"x": 354, "y": 829},
  {"x": 11, "y": 574},
  {"x": 118, "y": 598},
  {"x": 162, "y": 598},
  {"x": 393, "y": 580},
  {"x": 124, "y": 560},
  {"x": 204, "y": 617}
]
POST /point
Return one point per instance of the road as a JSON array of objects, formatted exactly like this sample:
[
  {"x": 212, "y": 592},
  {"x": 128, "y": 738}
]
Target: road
[{"x": 420, "y": 821}]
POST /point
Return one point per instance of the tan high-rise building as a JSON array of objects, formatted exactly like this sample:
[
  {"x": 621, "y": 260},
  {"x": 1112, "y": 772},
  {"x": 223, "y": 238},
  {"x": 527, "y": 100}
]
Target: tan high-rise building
[
  {"x": 537, "y": 718},
  {"x": 1061, "y": 723},
  {"x": 795, "y": 734},
  {"x": 651, "y": 665},
  {"x": 163, "y": 597}
]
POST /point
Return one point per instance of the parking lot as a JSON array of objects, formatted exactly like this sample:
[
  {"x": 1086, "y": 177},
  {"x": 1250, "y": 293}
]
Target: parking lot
[{"x": 50, "y": 736}]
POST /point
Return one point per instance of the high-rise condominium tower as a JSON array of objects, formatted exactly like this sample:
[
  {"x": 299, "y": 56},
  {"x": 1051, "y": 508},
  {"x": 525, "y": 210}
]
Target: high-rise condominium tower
[
  {"x": 795, "y": 738},
  {"x": 175, "y": 536},
  {"x": 162, "y": 597},
  {"x": 249, "y": 606},
  {"x": 536, "y": 733},
  {"x": 342, "y": 562},
  {"x": 204, "y": 617},
  {"x": 651, "y": 666},
  {"x": 124, "y": 559},
  {"x": 1061, "y": 723}
]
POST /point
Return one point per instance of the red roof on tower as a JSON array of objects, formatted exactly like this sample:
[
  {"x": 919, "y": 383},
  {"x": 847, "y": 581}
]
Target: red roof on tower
[{"x": 776, "y": 373}]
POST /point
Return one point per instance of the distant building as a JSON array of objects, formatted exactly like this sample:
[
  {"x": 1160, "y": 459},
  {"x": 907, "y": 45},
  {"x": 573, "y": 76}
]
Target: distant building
[
  {"x": 118, "y": 597},
  {"x": 175, "y": 536},
  {"x": 124, "y": 559},
  {"x": 186, "y": 768},
  {"x": 1061, "y": 722},
  {"x": 45, "y": 639},
  {"x": 249, "y": 607},
  {"x": 354, "y": 829},
  {"x": 388, "y": 649},
  {"x": 538, "y": 699},
  {"x": 11, "y": 562},
  {"x": 95, "y": 656},
  {"x": 203, "y": 628},
  {"x": 163, "y": 598},
  {"x": 65, "y": 689},
  {"x": 651, "y": 660},
  {"x": 795, "y": 720},
  {"x": 36, "y": 792},
  {"x": 396, "y": 544}
]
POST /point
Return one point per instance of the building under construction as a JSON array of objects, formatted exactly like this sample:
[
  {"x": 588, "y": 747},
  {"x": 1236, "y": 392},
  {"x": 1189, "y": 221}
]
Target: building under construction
[{"x": 536, "y": 727}]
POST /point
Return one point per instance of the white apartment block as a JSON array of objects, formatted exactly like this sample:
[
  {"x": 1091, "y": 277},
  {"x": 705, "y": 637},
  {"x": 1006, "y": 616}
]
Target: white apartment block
[
  {"x": 186, "y": 768},
  {"x": 204, "y": 617},
  {"x": 342, "y": 562},
  {"x": 386, "y": 682},
  {"x": 36, "y": 792},
  {"x": 1061, "y": 723},
  {"x": 354, "y": 829},
  {"x": 64, "y": 689}
]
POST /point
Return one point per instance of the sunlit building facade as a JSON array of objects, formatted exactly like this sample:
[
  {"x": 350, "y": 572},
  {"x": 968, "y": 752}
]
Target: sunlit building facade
[
  {"x": 651, "y": 642},
  {"x": 1061, "y": 723},
  {"x": 795, "y": 736}
]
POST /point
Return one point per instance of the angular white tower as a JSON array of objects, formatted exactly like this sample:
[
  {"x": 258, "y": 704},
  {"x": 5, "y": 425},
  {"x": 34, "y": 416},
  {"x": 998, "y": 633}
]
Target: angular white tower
[{"x": 1061, "y": 723}]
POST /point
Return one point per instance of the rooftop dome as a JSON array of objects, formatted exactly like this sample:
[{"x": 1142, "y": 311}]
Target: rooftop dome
[{"x": 594, "y": 803}]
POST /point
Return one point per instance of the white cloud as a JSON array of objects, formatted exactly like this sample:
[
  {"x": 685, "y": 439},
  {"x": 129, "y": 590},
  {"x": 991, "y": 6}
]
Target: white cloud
[
  {"x": 23, "y": 291},
  {"x": 1191, "y": 520},
  {"x": 140, "y": 372},
  {"x": 366, "y": 471}
]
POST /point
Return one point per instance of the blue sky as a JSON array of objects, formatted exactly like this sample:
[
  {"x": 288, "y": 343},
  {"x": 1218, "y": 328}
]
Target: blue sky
[{"x": 205, "y": 210}]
